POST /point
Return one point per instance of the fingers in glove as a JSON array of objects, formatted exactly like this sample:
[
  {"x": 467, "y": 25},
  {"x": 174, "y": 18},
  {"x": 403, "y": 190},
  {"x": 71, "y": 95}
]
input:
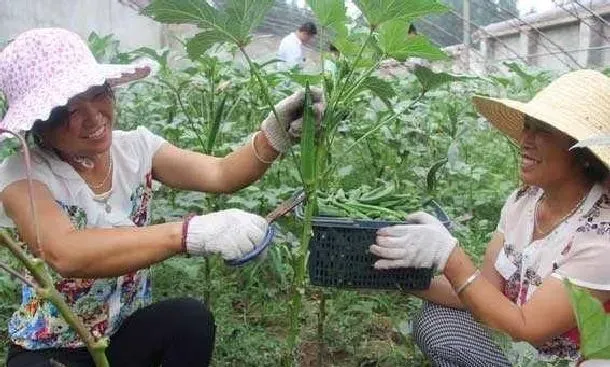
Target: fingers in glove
[
  {"x": 387, "y": 252},
  {"x": 399, "y": 230},
  {"x": 421, "y": 218},
  {"x": 258, "y": 222},
  {"x": 256, "y": 236},
  {"x": 391, "y": 264}
]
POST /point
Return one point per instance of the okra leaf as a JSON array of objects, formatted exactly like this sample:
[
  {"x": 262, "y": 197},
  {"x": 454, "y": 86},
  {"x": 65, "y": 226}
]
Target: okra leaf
[
  {"x": 396, "y": 43},
  {"x": 377, "y": 12},
  {"x": 593, "y": 323},
  {"x": 203, "y": 41},
  {"x": 234, "y": 23},
  {"x": 198, "y": 12},
  {"x": 431, "y": 80},
  {"x": 330, "y": 13},
  {"x": 379, "y": 87}
]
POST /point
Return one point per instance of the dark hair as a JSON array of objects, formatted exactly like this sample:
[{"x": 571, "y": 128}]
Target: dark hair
[
  {"x": 59, "y": 116},
  {"x": 593, "y": 168},
  {"x": 309, "y": 28},
  {"x": 412, "y": 29}
]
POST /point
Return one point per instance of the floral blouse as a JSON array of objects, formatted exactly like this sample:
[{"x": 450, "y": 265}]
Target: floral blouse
[
  {"x": 578, "y": 249},
  {"x": 102, "y": 304}
]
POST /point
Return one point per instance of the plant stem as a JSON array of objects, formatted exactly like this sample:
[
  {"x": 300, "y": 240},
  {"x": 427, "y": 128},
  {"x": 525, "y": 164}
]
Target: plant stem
[
  {"x": 337, "y": 97},
  {"x": 46, "y": 290},
  {"x": 16, "y": 275},
  {"x": 299, "y": 267},
  {"x": 267, "y": 99},
  {"x": 321, "y": 317}
]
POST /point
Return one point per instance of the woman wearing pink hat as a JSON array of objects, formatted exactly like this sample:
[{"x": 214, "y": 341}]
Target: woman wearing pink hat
[
  {"x": 555, "y": 227},
  {"x": 93, "y": 189}
]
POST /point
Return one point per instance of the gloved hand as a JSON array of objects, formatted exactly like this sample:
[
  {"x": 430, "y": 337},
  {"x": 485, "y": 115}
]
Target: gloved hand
[
  {"x": 285, "y": 132},
  {"x": 231, "y": 233},
  {"x": 423, "y": 244}
]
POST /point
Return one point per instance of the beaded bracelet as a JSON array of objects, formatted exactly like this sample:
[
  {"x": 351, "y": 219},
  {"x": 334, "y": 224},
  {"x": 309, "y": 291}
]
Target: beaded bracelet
[
  {"x": 256, "y": 153},
  {"x": 185, "y": 229},
  {"x": 468, "y": 282}
]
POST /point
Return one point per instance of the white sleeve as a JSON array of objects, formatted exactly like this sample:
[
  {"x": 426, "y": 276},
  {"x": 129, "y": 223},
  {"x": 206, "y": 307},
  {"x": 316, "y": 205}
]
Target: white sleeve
[
  {"x": 147, "y": 142},
  {"x": 13, "y": 170},
  {"x": 510, "y": 201},
  {"x": 587, "y": 265}
]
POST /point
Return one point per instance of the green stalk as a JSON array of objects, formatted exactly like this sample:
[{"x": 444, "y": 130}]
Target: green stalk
[
  {"x": 309, "y": 174},
  {"x": 45, "y": 289},
  {"x": 266, "y": 96}
]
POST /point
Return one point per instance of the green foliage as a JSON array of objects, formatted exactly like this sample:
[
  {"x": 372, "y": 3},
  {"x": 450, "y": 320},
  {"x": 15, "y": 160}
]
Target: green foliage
[
  {"x": 397, "y": 44},
  {"x": 378, "y": 12},
  {"x": 330, "y": 13},
  {"x": 432, "y": 80},
  {"x": 593, "y": 323},
  {"x": 233, "y": 24}
]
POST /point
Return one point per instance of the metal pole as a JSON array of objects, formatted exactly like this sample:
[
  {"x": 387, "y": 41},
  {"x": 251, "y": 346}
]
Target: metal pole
[{"x": 467, "y": 39}]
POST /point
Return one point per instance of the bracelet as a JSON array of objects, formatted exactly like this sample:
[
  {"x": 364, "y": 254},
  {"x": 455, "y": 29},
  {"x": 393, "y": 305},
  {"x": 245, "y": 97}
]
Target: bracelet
[
  {"x": 185, "y": 227},
  {"x": 256, "y": 153},
  {"x": 468, "y": 282}
]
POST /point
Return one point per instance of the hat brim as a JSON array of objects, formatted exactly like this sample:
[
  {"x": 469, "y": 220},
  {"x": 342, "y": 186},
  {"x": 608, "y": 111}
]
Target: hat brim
[
  {"x": 508, "y": 117},
  {"x": 56, "y": 92}
]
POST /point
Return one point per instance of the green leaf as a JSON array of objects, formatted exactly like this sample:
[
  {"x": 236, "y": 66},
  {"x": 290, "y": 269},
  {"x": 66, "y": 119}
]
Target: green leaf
[
  {"x": 431, "y": 80},
  {"x": 379, "y": 87},
  {"x": 233, "y": 24},
  {"x": 203, "y": 41},
  {"x": 593, "y": 323},
  {"x": 243, "y": 16},
  {"x": 396, "y": 43},
  {"x": 378, "y": 12},
  {"x": 330, "y": 13},
  {"x": 197, "y": 12}
]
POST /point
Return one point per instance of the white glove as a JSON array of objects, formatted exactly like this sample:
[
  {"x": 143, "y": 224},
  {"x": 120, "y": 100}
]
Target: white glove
[
  {"x": 424, "y": 244},
  {"x": 232, "y": 233},
  {"x": 285, "y": 132}
]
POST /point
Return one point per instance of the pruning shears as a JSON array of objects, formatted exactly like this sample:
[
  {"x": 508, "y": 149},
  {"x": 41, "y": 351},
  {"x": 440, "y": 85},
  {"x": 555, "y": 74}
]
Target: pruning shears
[{"x": 281, "y": 210}]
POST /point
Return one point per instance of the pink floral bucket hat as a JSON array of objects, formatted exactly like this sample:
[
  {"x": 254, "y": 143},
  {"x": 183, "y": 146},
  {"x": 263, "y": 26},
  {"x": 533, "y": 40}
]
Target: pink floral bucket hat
[{"x": 43, "y": 68}]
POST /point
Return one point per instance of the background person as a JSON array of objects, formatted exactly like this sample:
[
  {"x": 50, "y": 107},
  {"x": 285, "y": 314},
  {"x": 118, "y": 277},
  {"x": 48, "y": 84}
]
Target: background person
[{"x": 291, "y": 47}]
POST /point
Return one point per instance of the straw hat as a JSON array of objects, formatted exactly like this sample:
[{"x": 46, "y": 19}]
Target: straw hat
[
  {"x": 577, "y": 104},
  {"x": 43, "y": 68}
]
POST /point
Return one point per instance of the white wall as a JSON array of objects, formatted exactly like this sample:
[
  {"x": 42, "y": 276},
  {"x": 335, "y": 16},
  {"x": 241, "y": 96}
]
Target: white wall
[{"x": 82, "y": 17}]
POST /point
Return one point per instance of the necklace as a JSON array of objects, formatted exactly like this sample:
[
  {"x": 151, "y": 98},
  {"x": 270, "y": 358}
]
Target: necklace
[
  {"x": 103, "y": 199},
  {"x": 103, "y": 182},
  {"x": 558, "y": 222}
]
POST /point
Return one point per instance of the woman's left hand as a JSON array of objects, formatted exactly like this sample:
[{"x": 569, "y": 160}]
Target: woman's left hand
[
  {"x": 285, "y": 130},
  {"x": 423, "y": 243}
]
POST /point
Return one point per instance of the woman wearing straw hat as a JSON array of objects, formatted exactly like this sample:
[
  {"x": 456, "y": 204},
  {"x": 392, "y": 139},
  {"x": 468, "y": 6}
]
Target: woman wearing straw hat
[
  {"x": 93, "y": 188},
  {"x": 555, "y": 227}
]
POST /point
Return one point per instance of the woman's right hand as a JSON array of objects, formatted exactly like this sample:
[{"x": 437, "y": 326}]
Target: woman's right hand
[{"x": 231, "y": 233}]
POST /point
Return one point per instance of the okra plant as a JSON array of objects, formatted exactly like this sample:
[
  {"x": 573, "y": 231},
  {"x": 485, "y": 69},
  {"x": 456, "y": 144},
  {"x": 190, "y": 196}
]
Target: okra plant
[{"x": 386, "y": 36}]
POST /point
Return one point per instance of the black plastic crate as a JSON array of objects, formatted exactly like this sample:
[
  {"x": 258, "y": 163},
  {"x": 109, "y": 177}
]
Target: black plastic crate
[{"x": 339, "y": 256}]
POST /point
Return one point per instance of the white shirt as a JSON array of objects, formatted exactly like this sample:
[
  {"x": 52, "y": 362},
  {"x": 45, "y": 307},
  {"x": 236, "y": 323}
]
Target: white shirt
[
  {"x": 101, "y": 303},
  {"x": 291, "y": 51}
]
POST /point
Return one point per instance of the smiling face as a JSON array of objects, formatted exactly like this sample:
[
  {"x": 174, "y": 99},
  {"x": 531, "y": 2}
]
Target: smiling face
[
  {"x": 87, "y": 127},
  {"x": 545, "y": 156}
]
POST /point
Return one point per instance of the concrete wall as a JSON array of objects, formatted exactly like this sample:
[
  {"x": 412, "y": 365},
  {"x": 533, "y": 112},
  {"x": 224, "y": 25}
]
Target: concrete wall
[
  {"x": 82, "y": 17},
  {"x": 558, "y": 39}
]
